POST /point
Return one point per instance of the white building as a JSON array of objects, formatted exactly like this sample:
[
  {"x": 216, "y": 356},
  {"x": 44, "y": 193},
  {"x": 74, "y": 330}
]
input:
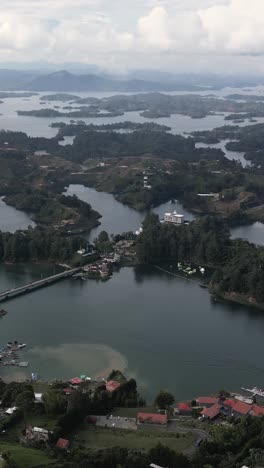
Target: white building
[{"x": 174, "y": 218}]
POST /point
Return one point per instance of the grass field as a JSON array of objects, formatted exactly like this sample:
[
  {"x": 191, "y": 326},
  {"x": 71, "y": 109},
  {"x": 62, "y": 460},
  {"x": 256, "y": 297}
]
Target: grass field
[
  {"x": 104, "y": 438},
  {"x": 26, "y": 457}
]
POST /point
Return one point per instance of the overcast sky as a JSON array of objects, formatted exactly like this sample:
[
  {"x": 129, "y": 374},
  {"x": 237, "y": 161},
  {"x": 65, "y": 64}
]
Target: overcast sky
[{"x": 178, "y": 35}]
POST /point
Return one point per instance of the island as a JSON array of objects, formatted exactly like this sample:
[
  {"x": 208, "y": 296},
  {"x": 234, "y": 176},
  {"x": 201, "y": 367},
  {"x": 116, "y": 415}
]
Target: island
[{"x": 156, "y": 105}]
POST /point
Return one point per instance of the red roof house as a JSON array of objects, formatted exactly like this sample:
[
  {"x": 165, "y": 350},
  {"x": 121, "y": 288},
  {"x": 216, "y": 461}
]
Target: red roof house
[
  {"x": 62, "y": 443},
  {"x": 257, "y": 410},
  {"x": 68, "y": 390},
  {"x": 239, "y": 408},
  {"x": 184, "y": 408},
  {"x": 212, "y": 412},
  {"x": 206, "y": 401},
  {"x": 76, "y": 381},
  {"x": 112, "y": 385},
  {"x": 149, "y": 418}
]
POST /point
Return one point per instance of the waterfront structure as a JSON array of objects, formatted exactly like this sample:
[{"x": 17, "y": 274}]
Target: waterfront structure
[
  {"x": 174, "y": 218},
  {"x": 206, "y": 402},
  {"x": 212, "y": 412},
  {"x": 184, "y": 409}
]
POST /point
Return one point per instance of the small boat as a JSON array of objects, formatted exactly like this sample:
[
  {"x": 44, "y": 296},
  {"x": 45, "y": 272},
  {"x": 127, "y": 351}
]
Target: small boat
[
  {"x": 203, "y": 285},
  {"x": 3, "y": 312}
]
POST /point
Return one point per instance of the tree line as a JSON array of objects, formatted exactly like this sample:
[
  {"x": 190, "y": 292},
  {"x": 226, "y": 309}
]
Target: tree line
[{"x": 237, "y": 265}]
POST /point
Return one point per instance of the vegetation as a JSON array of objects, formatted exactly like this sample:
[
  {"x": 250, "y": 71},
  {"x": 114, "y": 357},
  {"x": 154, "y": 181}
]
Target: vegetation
[
  {"x": 238, "y": 265},
  {"x": 155, "y": 105},
  {"x": 39, "y": 244},
  {"x": 164, "y": 399},
  {"x": 51, "y": 209}
]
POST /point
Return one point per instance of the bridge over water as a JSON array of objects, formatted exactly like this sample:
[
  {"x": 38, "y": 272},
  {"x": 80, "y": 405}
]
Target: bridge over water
[{"x": 30, "y": 287}]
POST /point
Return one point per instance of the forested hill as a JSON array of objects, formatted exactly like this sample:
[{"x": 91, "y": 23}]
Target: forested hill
[
  {"x": 238, "y": 265},
  {"x": 91, "y": 144}
]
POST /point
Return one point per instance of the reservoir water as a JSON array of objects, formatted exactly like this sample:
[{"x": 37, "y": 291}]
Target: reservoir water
[
  {"x": 165, "y": 331},
  {"x": 12, "y": 219}
]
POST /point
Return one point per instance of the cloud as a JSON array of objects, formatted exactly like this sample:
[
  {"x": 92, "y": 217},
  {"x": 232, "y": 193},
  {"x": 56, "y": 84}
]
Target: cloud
[{"x": 125, "y": 34}]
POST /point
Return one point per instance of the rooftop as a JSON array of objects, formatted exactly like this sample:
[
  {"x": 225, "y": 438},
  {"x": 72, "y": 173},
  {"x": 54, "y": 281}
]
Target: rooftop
[
  {"x": 152, "y": 418},
  {"x": 211, "y": 412},
  {"x": 62, "y": 443},
  {"x": 207, "y": 400},
  {"x": 184, "y": 407},
  {"x": 112, "y": 385},
  {"x": 238, "y": 406}
]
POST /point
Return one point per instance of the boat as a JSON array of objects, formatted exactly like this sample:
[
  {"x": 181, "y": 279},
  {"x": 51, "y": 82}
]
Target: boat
[
  {"x": 255, "y": 390},
  {"x": 3, "y": 312},
  {"x": 203, "y": 285}
]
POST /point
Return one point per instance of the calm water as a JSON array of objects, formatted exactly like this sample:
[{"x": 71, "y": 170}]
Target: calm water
[
  {"x": 236, "y": 155},
  {"x": 252, "y": 232},
  {"x": 164, "y": 331},
  {"x": 116, "y": 217},
  {"x": 180, "y": 124},
  {"x": 12, "y": 219}
]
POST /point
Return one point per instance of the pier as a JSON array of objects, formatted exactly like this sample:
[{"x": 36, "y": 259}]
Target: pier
[{"x": 30, "y": 287}]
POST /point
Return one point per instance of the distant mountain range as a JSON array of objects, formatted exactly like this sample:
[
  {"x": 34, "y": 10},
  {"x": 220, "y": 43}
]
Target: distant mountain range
[{"x": 144, "y": 81}]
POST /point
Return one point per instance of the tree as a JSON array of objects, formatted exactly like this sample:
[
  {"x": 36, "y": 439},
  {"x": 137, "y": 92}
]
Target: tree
[
  {"x": 54, "y": 402},
  {"x": 165, "y": 456},
  {"x": 103, "y": 237},
  {"x": 164, "y": 399}
]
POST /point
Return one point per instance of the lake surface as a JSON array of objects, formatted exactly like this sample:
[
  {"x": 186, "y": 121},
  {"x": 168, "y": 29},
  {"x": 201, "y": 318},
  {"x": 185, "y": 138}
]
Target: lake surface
[
  {"x": 12, "y": 219},
  {"x": 116, "y": 217},
  {"x": 231, "y": 155},
  {"x": 36, "y": 126},
  {"x": 252, "y": 232},
  {"x": 164, "y": 331}
]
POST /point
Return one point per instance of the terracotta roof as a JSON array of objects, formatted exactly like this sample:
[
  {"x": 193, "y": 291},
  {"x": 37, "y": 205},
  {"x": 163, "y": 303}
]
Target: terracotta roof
[
  {"x": 211, "y": 412},
  {"x": 238, "y": 406},
  {"x": 68, "y": 390},
  {"x": 76, "y": 381},
  {"x": 207, "y": 400},
  {"x": 184, "y": 407},
  {"x": 112, "y": 385},
  {"x": 229, "y": 402},
  {"x": 152, "y": 418},
  {"x": 257, "y": 410},
  {"x": 62, "y": 443}
]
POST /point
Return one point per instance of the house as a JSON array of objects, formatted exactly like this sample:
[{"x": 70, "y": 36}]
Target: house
[
  {"x": 212, "y": 412},
  {"x": 236, "y": 408},
  {"x": 38, "y": 397},
  {"x": 184, "y": 409},
  {"x": 206, "y": 402},
  {"x": 76, "y": 381},
  {"x": 112, "y": 385},
  {"x": 37, "y": 433},
  {"x": 174, "y": 218},
  {"x": 150, "y": 418},
  {"x": 68, "y": 390},
  {"x": 62, "y": 444},
  {"x": 257, "y": 410},
  {"x": 11, "y": 410}
]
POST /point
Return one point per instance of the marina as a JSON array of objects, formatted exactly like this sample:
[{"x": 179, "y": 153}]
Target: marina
[{"x": 9, "y": 354}]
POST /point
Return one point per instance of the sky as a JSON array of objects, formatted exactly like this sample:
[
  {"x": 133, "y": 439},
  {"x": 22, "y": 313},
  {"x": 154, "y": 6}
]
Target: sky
[{"x": 120, "y": 35}]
